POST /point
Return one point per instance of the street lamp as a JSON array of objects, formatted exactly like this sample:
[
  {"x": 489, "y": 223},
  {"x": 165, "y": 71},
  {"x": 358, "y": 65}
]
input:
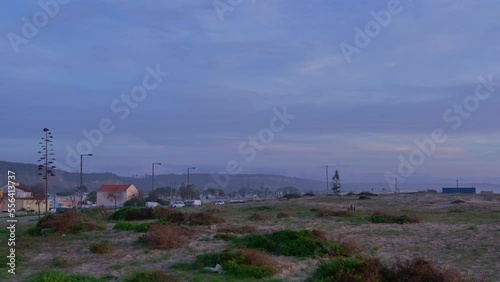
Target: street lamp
[
  {"x": 81, "y": 177},
  {"x": 153, "y": 177}
]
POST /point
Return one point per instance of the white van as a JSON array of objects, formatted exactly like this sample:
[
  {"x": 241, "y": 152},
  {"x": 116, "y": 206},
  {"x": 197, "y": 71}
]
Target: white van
[
  {"x": 192, "y": 203},
  {"x": 151, "y": 204}
]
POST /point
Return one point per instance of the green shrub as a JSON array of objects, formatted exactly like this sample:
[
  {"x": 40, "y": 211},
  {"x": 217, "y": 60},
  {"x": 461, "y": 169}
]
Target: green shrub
[
  {"x": 129, "y": 226},
  {"x": 56, "y": 276},
  {"x": 150, "y": 276},
  {"x": 184, "y": 266},
  {"x": 306, "y": 243},
  {"x": 135, "y": 202},
  {"x": 133, "y": 213},
  {"x": 241, "y": 264},
  {"x": 291, "y": 196},
  {"x": 61, "y": 263},
  {"x": 224, "y": 237},
  {"x": 347, "y": 269},
  {"x": 101, "y": 248}
]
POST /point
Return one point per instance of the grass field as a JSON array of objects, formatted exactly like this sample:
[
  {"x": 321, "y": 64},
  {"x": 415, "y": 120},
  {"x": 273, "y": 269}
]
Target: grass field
[{"x": 453, "y": 231}]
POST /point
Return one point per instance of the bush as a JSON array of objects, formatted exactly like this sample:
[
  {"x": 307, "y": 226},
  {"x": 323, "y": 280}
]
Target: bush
[
  {"x": 241, "y": 264},
  {"x": 419, "y": 269},
  {"x": 190, "y": 219},
  {"x": 291, "y": 196},
  {"x": 224, "y": 237},
  {"x": 101, "y": 248},
  {"x": 244, "y": 229},
  {"x": 56, "y": 276},
  {"x": 259, "y": 217},
  {"x": 348, "y": 269},
  {"x": 326, "y": 212},
  {"x": 382, "y": 217},
  {"x": 65, "y": 222},
  {"x": 283, "y": 215},
  {"x": 166, "y": 236},
  {"x": 304, "y": 243},
  {"x": 150, "y": 276},
  {"x": 133, "y": 213},
  {"x": 135, "y": 202},
  {"x": 129, "y": 226},
  {"x": 309, "y": 194},
  {"x": 160, "y": 212}
]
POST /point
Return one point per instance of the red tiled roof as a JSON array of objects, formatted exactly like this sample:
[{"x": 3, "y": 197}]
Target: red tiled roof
[
  {"x": 24, "y": 189},
  {"x": 114, "y": 188}
]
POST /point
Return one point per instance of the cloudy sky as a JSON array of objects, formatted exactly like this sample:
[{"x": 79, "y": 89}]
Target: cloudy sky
[{"x": 361, "y": 82}]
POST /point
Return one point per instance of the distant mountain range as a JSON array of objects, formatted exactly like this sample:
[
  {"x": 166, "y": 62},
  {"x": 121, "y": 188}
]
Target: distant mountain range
[{"x": 68, "y": 181}]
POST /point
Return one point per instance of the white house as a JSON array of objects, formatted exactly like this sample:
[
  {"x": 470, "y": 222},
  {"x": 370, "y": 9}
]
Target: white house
[{"x": 115, "y": 195}]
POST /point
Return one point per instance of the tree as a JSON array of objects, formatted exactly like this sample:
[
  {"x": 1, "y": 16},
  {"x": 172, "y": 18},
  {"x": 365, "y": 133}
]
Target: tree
[
  {"x": 188, "y": 192},
  {"x": 92, "y": 197},
  {"x": 39, "y": 195},
  {"x": 114, "y": 196},
  {"x": 336, "y": 183}
]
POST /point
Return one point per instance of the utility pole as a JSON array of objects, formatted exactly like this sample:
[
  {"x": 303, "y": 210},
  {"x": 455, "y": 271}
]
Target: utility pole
[{"x": 81, "y": 177}]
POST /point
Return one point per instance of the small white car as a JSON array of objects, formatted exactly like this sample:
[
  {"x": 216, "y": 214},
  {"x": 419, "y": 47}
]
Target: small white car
[
  {"x": 219, "y": 202},
  {"x": 177, "y": 204}
]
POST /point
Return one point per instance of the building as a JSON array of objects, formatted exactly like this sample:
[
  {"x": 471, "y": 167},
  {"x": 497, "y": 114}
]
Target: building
[
  {"x": 112, "y": 196},
  {"x": 24, "y": 199},
  {"x": 461, "y": 190}
]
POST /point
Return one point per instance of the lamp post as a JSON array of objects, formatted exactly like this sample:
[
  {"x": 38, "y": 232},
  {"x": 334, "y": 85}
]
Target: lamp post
[
  {"x": 153, "y": 177},
  {"x": 187, "y": 187},
  {"x": 81, "y": 177}
]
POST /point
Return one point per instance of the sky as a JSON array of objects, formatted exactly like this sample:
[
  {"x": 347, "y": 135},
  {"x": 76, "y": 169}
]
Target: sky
[{"x": 376, "y": 89}]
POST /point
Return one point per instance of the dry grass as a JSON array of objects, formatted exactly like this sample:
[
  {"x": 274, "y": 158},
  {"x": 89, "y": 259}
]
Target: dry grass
[
  {"x": 68, "y": 222},
  {"x": 200, "y": 218},
  {"x": 419, "y": 269},
  {"x": 385, "y": 217},
  {"x": 236, "y": 229},
  {"x": 259, "y": 217},
  {"x": 160, "y": 212},
  {"x": 327, "y": 212},
  {"x": 101, "y": 248},
  {"x": 284, "y": 215},
  {"x": 167, "y": 236}
]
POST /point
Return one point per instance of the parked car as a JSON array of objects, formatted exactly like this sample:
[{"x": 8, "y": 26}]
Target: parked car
[
  {"x": 152, "y": 204},
  {"x": 192, "y": 203},
  {"x": 219, "y": 202},
  {"x": 177, "y": 204}
]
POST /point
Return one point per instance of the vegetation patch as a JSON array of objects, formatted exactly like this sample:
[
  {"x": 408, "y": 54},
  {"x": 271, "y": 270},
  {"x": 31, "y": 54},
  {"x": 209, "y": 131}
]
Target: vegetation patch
[
  {"x": 458, "y": 202},
  {"x": 65, "y": 222},
  {"x": 129, "y": 226},
  {"x": 260, "y": 217},
  {"x": 133, "y": 213},
  {"x": 62, "y": 263},
  {"x": 348, "y": 269},
  {"x": 238, "y": 229},
  {"x": 166, "y": 236},
  {"x": 101, "y": 248},
  {"x": 225, "y": 237},
  {"x": 306, "y": 243},
  {"x": 382, "y": 217},
  {"x": 160, "y": 212},
  {"x": 190, "y": 219},
  {"x": 327, "y": 213},
  {"x": 240, "y": 264},
  {"x": 291, "y": 196},
  {"x": 57, "y": 276},
  {"x": 283, "y": 215},
  {"x": 357, "y": 269},
  {"x": 261, "y": 208},
  {"x": 150, "y": 276}
]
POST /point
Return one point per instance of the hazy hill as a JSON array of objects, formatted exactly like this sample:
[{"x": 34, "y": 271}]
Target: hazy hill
[{"x": 67, "y": 181}]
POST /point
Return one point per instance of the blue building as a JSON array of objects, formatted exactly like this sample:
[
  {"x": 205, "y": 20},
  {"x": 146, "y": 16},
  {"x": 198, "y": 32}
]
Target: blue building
[{"x": 461, "y": 190}]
